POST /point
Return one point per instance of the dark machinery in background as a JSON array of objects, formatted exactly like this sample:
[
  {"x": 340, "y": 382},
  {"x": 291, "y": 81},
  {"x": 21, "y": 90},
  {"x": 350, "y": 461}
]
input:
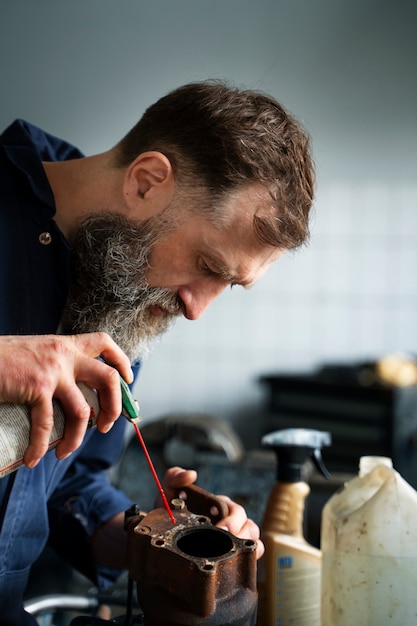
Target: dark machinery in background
[{"x": 370, "y": 409}]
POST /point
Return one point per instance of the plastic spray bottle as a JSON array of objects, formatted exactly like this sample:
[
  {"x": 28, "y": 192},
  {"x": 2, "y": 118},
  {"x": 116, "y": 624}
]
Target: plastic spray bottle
[{"x": 289, "y": 573}]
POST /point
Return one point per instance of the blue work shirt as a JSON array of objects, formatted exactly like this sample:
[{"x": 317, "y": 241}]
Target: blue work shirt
[{"x": 60, "y": 501}]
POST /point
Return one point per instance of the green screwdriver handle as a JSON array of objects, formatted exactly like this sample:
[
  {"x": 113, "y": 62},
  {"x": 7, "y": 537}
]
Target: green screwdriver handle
[{"x": 130, "y": 406}]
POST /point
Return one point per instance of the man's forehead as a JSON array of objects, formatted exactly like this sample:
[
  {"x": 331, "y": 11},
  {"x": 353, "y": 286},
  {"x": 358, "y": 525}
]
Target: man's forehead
[{"x": 241, "y": 259}]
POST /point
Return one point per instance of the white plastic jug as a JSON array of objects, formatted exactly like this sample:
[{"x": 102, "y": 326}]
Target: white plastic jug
[{"x": 369, "y": 550}]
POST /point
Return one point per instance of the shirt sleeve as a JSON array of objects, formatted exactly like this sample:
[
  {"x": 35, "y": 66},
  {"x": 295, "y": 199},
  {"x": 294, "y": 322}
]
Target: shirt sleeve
[{"x": 84, "y": 500}]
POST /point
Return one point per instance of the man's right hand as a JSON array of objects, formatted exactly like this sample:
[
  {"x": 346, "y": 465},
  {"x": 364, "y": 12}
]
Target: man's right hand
[{"x": 36, "y": 368}]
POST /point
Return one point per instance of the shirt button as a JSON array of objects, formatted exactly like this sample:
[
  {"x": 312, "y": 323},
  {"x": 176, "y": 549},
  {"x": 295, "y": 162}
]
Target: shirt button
[{"x": 45, "y": 238}]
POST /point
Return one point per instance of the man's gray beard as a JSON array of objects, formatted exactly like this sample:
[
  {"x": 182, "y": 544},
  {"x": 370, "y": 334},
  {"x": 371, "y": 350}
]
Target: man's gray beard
[{"x": 108, "y": 289}]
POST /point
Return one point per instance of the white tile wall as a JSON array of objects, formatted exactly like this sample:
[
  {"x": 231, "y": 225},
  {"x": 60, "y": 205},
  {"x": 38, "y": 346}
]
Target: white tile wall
[{"x": 350, "y": 295}]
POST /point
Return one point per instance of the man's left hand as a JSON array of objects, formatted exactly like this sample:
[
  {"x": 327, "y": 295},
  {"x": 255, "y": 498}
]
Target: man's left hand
[{"x": 236, "y": 521}]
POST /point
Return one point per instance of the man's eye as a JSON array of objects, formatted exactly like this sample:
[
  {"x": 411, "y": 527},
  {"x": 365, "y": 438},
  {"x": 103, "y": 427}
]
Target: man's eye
[
  {"x": 216, "y": 273},
  {"x": 207, "y": 270}
]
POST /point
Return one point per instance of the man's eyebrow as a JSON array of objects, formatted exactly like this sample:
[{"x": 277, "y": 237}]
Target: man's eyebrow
[
  {"x": 226, "y": 273},
  {"x": 221, "y": 268}
]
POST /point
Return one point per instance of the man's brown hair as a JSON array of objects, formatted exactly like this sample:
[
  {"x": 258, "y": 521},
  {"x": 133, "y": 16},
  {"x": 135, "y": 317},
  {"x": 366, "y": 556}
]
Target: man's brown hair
[{"x": 223, "y": 138}]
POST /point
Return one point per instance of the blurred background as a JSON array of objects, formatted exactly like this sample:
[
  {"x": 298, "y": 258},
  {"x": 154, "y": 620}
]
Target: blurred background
[{"x": 85, "y": 70}]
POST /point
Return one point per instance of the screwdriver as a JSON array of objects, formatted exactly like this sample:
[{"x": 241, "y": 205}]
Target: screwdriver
[{"x": 130, "y": 410}]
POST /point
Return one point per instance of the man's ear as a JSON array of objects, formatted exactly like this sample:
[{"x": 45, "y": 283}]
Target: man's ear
[{"x": 149, "y": 184}]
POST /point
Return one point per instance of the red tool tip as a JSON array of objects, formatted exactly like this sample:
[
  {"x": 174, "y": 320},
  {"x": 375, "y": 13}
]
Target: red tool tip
[{"x": 154, "y": 474}]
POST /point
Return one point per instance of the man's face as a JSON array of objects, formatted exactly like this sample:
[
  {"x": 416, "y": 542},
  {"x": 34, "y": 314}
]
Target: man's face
[
  {"x": 198, "y": 260},
  {"x": 132, "y": 279}
]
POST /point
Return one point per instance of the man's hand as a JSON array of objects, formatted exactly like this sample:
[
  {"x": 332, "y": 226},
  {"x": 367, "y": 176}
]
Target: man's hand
[
  {"x": 34, "y": 369},
  {"x": 236, "y": 522}
]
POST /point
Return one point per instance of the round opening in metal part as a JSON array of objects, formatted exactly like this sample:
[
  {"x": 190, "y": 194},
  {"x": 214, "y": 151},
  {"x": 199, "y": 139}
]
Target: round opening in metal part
[{"x": 204, "y": 542}]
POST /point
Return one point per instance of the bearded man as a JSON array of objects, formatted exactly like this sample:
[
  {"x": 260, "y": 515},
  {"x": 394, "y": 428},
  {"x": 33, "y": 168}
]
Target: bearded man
[{"x": 100, "y": 254}]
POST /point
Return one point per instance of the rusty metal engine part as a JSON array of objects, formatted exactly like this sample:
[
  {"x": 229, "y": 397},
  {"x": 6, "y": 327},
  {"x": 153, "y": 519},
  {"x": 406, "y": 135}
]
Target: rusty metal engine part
[{"x": 191, "y": 573}]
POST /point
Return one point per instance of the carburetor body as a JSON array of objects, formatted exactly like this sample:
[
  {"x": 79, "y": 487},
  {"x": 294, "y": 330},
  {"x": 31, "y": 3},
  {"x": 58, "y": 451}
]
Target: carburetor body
[{"x": 191, "y": 573}]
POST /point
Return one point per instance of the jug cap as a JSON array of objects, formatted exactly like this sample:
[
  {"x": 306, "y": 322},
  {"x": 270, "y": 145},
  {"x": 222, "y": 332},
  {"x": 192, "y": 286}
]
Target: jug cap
[{"x": 367, "y": 463}]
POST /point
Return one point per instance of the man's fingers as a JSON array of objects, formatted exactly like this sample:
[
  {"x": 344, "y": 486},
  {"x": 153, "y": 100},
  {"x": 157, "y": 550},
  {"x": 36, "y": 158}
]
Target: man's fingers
[
  {"x": 77, "y": 413},
  {"x": 101, "y": 344},
  {"x": 177, "y": 477},
  {"x": 237, "y": 523},
  {"x": 42, "y": 421},
  {"x": 46, "y": 367},
  {"x": 106, "y": 381},
  {"x": 174, "y": 479}
]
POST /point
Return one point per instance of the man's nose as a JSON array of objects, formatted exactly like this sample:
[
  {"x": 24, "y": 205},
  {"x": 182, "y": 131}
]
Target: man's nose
[{"x": 196, "y": 297}]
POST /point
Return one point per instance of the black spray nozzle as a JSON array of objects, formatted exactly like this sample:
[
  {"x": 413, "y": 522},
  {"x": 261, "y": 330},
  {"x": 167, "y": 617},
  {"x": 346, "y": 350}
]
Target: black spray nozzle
[{"x": 293, "y": 446}]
